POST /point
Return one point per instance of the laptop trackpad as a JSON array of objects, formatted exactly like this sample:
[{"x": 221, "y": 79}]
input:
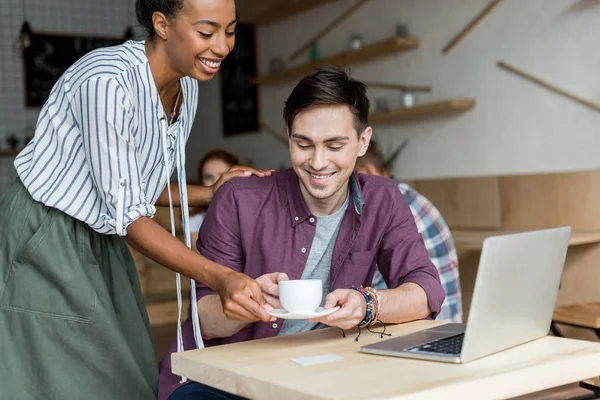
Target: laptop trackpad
[{"x": 453, "y": 329}]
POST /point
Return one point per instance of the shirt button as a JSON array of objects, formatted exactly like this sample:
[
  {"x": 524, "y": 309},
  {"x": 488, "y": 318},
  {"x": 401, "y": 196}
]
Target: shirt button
[
  {"x": 303, "y": 250},
  {"x": 274, "y": 326},
  {"x": 312, "y": 220},
  {"x": 296, "y": 219}
]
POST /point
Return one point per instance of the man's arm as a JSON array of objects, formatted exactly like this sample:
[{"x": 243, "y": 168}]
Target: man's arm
[
  {"x": 220, "y": 240},
  {"x": 214, "y": 322},
  {"x": 408, "y": 302},
  {"x": 440, "y": 247},
  {"x": 406, "y": 267},
  {"x": 402, "y": 304}
]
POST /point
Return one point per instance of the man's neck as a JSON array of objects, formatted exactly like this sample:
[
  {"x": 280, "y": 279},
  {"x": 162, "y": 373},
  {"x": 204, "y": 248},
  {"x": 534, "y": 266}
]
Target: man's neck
[
  {"x": 323, "y": 207},
  {"x": 165, "y": 77}
]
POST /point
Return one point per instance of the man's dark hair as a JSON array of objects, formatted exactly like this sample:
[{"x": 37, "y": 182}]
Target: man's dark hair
[
  {"x": 328, "y": 85},
  {"x": 373, "y": 156},
  {"x": 145, "y": 8}
]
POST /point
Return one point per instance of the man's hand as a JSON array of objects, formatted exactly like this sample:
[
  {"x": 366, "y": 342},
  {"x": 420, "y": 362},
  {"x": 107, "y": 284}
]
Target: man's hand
[
  {"x": 269, "y": 284},
  {"x": 239, "y": 171},
  {"x": 353, "y": 308},
  {"x": 242, "y": 298}
]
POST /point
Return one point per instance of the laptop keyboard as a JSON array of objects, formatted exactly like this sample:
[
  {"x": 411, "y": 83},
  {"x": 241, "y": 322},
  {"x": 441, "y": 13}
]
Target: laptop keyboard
[{"x": 451, "y": 345}]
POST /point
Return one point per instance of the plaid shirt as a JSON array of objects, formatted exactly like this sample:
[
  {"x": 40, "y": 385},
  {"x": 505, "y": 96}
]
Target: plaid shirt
[{"x": 442, "y": 252}]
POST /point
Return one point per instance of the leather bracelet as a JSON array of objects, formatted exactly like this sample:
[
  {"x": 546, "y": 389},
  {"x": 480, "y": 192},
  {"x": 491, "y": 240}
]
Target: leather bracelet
[{"x": 376, "y": 301}]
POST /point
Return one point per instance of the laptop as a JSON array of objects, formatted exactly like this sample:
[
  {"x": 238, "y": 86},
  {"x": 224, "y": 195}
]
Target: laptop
[{"x": 513, "y": 301}]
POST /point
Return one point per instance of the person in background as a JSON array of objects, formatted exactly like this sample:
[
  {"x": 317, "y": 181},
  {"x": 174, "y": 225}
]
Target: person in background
[
  {"x": 73, "y": 321},
  {"x": 433, "y": 228},
  {"x": 210, "y": 169}
]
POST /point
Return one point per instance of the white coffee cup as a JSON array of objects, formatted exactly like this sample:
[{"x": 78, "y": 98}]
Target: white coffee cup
[{"x": 301, "y": 296}]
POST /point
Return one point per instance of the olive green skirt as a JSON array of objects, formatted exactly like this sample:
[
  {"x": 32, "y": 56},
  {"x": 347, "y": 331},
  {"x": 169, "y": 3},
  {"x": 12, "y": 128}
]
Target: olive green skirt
[{"x": 73, "y": 324}]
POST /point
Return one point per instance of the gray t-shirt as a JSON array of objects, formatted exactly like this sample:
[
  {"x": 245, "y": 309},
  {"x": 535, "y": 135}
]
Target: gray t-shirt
[{"x": 318, "y": 264}]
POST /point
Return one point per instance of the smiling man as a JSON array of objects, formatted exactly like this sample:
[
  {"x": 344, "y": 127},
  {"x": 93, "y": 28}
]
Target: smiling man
[{"x": 317, "y": 220}]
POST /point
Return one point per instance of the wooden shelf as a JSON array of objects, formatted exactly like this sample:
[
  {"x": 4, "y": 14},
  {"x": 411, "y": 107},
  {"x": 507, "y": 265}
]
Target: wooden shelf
[
  {"x": 472, "y": 239},
  {"x": 422, "y": 110},
  {"x": 260, "y": 12},
  {"x": 366, "y": 53}
]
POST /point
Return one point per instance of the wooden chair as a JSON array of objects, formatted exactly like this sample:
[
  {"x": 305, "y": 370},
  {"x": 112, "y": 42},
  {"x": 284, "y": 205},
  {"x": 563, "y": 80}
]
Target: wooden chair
[{"x": 165, "y": 312}]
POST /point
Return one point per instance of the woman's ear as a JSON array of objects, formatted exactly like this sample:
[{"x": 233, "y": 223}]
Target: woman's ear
[{"x": 161, "y": 25}]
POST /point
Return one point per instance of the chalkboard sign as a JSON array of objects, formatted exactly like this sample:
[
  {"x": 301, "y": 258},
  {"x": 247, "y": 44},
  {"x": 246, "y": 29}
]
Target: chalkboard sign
[
  {"x": 49, "y": 56},
  {"x": 239, "y": 96}
]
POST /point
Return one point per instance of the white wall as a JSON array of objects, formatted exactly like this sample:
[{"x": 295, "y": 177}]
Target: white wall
[
  {"x": 87, "y": 17},
  {"x": 78, "y": 17},
  {"x": 516, "y": 127}
]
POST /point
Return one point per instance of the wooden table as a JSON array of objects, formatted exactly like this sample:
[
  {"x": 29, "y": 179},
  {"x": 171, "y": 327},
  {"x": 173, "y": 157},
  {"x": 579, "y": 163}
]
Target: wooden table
[{"x": 263, "y": 369}]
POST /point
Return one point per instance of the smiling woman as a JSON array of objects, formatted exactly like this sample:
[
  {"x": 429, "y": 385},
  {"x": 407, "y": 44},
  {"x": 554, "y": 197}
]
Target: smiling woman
[
  {"x": 106, "y": 143},
  {"x": 200, "y": 33}
]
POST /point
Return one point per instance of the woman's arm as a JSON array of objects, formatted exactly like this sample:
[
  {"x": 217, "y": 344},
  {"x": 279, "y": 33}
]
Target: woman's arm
[
  {"x": 241, "y": 296},
  {"x": 202, "y": 195},
  {"x": 110, "y": 150}
]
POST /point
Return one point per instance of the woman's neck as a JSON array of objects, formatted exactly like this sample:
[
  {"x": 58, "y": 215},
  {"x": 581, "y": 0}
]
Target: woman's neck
[{"x": 166, "y": 78}]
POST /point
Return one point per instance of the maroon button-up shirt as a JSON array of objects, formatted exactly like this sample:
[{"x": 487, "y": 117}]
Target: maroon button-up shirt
[{"x": 262, "y": 225}]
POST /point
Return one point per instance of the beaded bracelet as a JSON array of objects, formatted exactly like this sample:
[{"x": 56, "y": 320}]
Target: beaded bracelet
[{"x": 370, "y": 315}]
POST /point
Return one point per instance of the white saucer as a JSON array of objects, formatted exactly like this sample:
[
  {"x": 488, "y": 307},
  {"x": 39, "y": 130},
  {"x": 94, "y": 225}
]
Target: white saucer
[{"x": 319, "y": 312}]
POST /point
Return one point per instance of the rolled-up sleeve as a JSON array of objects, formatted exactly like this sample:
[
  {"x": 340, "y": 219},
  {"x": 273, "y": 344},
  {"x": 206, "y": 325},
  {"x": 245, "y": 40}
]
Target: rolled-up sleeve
[
  {"x": 219, "y": 238},
  {"x": 106, "y": 121},
  {"x": 403, "y": 256}
]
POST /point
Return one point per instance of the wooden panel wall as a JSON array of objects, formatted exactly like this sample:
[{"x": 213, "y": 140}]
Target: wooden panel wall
[
  {"x": 524, "y": 202},
  {"x": 534, "y": 201},
  {"x": 549, "y": 200},
  {"x": 465, "y": 202}
]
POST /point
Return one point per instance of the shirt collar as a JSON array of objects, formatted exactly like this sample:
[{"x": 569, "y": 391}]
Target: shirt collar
[
  {"x": 299, "y": 211},
  {"x": 356, "y": 193}
]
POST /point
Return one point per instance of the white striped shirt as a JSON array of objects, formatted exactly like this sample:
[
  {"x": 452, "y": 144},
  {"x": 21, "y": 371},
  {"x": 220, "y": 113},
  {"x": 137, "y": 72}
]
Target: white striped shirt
[
  {"x": 97, "y": 153},
  {"x": 102, "y": 145}
]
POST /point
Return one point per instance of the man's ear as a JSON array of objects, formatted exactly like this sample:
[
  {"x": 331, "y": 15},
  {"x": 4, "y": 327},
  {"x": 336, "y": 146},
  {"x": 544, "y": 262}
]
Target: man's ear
[
  {"x": 161, "y": 25},
  {"x": 363, "y": 141}
]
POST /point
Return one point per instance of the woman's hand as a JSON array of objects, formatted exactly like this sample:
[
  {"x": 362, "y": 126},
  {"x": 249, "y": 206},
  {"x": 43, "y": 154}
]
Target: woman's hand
[
  {"x": 242, "y": 298},
  {"x": 353, "y": 308},
  {"x": 269, "y": 284},
  {"x": 239, "y": 171}
]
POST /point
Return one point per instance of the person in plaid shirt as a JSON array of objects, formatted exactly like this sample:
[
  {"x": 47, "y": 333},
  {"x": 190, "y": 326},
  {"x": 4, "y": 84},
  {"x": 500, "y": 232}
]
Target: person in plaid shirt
[{"x": 435, "y": 232}]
